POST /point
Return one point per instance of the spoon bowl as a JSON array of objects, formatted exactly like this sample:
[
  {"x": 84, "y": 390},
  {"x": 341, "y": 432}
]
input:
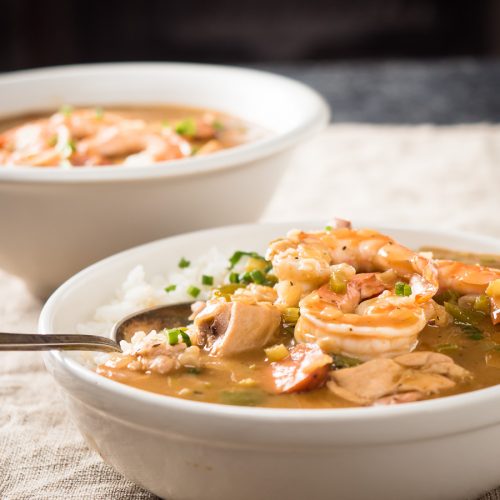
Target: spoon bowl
[
  {"x": 155, "y": 318},
  {"x": 152, "y": 318}
]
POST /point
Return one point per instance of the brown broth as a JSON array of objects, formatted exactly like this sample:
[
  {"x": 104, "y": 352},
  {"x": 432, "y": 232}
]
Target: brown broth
[{"x": 218, "y": 376}]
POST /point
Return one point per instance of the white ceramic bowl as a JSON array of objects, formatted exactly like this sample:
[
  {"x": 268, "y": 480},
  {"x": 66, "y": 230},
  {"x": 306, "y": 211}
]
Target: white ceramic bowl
[
  {"x": 56, "y": 221},
  {"x": 441, "y": 449}
]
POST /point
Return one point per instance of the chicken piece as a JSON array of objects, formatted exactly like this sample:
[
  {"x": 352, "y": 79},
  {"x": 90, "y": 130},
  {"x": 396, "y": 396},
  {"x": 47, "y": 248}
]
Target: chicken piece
[
  {"x": 408, "y": 377},
  {"x": 404, "y": 397},
  {"x": 368, "y": 382},
  {"x": 433, "y": 362},
  {"x": 196, "y": 308},
  {"x": 229, "y": 328},
  {"x": 304, "y": 370}
]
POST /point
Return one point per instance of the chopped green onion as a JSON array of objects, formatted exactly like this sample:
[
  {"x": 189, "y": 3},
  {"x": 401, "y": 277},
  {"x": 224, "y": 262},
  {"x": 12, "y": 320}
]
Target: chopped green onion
[
  {"x": 52, "y": 141},
  {"x": 242, "y": 397},
  {"x": 338, "y": 287},
  {"x": 234, "y": 278},
  {"x": 245, "y": 277},
  {"x": 338, "y": 282},
  {"x": 207, "y": 280},
  {"x": 254, "y": 264},
  {"x": 68, "y": 149},
  {"x": 184, "y": 263},
  {"x": 173, "y": 335},
  {"x": 170, "y": 288},
  {"x": 473, "y": 332},
  {"x": 217, "y": 125},
  {"x": 257, "y": 277},
  {"x": 193, "y": 291},
  {"x": 99, "y": 113},
  {"x": 186, "y": 339},
  {"x": 469, "y": 316},
  {"x": 186, "y": 127},
  {"x": 402, "y": 289},
  {"x": 236, "y": 257},
  {"x": 328, "y": 228},
  {"x": 341, "y": 361},
  {"x": 446, "y": 296},
  {"x": 443, "y": 348},
  {"x": 482, "y": 304},
  {"x": 66, "y": 110},
  {"x": 290, "y": 315},
  {"x": 227, "y": 290},
  {"x": 194, "y": 370},
  {"x": 271, "y": 280}
]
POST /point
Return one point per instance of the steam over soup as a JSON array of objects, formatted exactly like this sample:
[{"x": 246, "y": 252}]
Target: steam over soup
[
  {"x": 325, "y": 319},
  {"x": 78, "y": 137}
]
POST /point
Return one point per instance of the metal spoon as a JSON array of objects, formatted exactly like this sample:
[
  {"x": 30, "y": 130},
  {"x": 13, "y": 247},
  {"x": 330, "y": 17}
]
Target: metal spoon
[{"x": 154, "y": 318}]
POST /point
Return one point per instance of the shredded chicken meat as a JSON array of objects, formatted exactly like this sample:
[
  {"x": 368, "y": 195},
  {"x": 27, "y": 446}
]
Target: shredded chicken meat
[{"x": 405, "y": 378}]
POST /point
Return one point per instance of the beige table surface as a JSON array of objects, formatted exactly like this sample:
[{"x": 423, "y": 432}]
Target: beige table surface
[{"x": 446, "y": 177}]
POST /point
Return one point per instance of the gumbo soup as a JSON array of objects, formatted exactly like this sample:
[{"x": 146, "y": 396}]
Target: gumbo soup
[
  {"x": 85, "y": 137},
  {"x": 326, "y": 319}
]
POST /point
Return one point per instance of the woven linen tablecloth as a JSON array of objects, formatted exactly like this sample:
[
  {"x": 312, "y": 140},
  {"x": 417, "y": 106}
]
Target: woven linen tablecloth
[{"x": 443, "y": 177}]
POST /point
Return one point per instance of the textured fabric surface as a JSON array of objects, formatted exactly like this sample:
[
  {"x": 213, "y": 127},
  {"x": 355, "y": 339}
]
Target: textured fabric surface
[{"x": 444, "y": 177}]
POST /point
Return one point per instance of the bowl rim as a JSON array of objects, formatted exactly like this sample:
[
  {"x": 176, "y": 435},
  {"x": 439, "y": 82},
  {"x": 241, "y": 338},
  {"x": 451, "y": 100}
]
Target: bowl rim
[
  {"x": 110, "y": 388},
  {"x": 226, "y": 159}
]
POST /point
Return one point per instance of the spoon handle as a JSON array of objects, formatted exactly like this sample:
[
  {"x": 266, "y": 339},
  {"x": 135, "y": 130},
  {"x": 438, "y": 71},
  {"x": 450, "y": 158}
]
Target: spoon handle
[{"x": 38, "y": 342}]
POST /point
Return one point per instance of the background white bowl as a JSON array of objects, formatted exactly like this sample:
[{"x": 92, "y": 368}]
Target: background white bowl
[
  {"x": 440, "y": 449},
  {"x": 55, "y": 221}
]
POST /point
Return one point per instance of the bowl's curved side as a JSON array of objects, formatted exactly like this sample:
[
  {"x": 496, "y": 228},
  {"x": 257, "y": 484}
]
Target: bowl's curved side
[
  {"x": 69, "y": 226},
  {"x": 174, "y": 464}
]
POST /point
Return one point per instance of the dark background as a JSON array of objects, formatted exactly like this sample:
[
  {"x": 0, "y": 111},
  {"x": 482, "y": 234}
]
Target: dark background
[
  {"x": 39, "y": 33},
  {"x": 380, "y": 61}
]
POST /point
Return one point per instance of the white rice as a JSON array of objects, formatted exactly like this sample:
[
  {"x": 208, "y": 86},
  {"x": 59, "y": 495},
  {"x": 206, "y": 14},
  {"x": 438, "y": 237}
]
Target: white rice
[{"x": 138, "y": 292}]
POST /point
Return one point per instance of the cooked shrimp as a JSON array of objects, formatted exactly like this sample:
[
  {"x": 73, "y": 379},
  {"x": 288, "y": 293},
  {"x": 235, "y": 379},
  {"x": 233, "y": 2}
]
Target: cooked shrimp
[
  {"x": 470, "y": 279},
  {"x": 133, "y": 140},
  {"x": 28, "y": 143},
  {"x": 205, "y": 127},
  {"x": 384, "y": 326},
  {"x": 83, "y": 123},
  {"x": 50, "y": 141},
  {"x": 305, "y": 259},
  {"x": 157, "y": 147},
  {"x": 465, "y": 278}
]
